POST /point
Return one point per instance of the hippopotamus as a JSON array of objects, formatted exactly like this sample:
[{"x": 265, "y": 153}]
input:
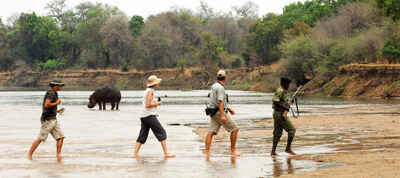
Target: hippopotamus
[{"x": 105, "y": 95}]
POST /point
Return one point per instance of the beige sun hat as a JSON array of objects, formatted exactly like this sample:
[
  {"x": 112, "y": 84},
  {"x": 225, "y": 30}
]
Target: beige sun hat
[
  {"x": 153, "y": 80},
  {"x": 221, "y": 73}
]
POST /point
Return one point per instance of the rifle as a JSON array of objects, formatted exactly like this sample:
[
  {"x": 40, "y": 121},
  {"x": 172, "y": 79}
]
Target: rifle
[{"x": 293, "y": 99}]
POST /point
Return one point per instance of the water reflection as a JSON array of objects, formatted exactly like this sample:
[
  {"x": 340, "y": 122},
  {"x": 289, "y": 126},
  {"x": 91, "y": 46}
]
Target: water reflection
[
  {"x": 209, "y": 161},
  {"x": 281, "y": 168},
  {"x": 233, "y": 160}
]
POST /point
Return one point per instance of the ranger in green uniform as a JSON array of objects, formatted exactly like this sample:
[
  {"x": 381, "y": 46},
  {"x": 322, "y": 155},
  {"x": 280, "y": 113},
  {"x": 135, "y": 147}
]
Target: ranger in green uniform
[{"x": 281, "y": 121}]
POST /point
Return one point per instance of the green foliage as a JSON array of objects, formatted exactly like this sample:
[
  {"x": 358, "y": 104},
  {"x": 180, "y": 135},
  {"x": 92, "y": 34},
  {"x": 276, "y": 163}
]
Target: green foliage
[
  {"x": 182, "y": 64},
  {"x": 311, "y": 11},
  {"x": 125, "y": 67},
  {"x": 320, "y": 94},
  {"x": 37, "y": 37},
  {"x": 350, "y": 20},
  {"x": 6, "y": 59},
  {"x": 243, "y": 86},
  {"x": 395, "y": 84},
  {"x": 3, "y": 28},
  {"x": 226, "y": 59},
  {"x": 350, "y": 36},
  {"x": 390, "y": 8},
  {"x": 227, "y": 29},
  {"x": 391, "y": 51},
  {"x": 96, "y": 35},
  {"x": 337, "y": 90},
  {"x": 300, "y": 57},
  {"x": 365, "y": 46},
  {"x": 237, "y": 63},
  {"x": 337, "y": 4},
  {"x": 121, "y": 84},
  {"x": 117, "y": 41},
  {"x": 167, "y": 38},
  {"x": 264, "y": 37},
  {"x": 211, "y": 47},
  {"x": 362, "y": 48},
  {"x": 93, "y": 34},
  {"x": 337, "y": 56},
  {"x": 299, "y": 28},
  {"x": 308, "y": 12},
  {"x": 136, "y": 24},
  {"x": 246, "y": 57},
  {"x": 50, "y": 65}
]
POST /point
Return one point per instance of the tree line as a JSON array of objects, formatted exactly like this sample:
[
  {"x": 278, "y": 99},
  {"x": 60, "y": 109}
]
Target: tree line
[
  {"x": 310, "y": 38},
  {"x": 363, "y": 31}
]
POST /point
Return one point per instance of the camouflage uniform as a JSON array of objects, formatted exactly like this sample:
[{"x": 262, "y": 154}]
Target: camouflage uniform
[{"x": 281, "y": 96}]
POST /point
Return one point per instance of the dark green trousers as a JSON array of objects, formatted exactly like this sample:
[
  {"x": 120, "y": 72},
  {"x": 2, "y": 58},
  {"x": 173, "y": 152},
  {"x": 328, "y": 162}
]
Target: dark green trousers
[{"x": 280, "y": 124}]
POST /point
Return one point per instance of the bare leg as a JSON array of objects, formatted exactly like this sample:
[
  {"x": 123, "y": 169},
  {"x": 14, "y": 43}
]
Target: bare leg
[
  {"x": 207, "y": 157},
  {"x": 59, "y": 148},
  {"x": 233, "y": 160},
  {"x": 35, "y": 144},
  {"x": 233, "y": 143},
  {"x": 165, "y": 149},
  {"x": 208, "y": 142},
  {"x": 137, "y": 148}
]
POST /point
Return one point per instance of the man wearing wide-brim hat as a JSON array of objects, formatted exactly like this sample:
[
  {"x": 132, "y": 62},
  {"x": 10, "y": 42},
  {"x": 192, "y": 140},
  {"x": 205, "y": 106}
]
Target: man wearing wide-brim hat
[{"x": 49, "y": 119}]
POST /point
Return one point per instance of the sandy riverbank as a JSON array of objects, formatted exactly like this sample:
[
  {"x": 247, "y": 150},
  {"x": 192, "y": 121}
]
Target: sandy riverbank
[
  {"x": 365, "y": 140},
  {"x": 100, "y": 144}
]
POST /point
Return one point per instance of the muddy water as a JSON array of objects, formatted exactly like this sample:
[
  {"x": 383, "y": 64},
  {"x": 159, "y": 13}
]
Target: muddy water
[{"x": 100, "y": 143}]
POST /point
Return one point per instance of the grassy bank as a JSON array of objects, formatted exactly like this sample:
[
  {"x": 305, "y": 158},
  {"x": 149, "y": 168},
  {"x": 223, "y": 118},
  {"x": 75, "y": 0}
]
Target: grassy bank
[{"x": 368, "y": 80}]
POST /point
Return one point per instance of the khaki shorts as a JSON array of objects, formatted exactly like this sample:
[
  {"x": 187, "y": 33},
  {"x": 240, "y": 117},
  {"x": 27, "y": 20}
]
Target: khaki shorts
[
  {"x": 52, "y": 127},
  {"x": 215, "y": 123}
]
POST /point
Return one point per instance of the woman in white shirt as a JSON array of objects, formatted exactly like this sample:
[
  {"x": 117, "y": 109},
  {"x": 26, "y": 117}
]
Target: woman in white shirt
[{"x": 149, "y": 118}]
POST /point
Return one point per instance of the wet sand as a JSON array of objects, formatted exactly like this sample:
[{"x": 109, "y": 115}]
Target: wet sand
[
  {"x": 356, "y": 141},
  {"x": 370, "y": 149},
  {"x": 100, "y": 144}
]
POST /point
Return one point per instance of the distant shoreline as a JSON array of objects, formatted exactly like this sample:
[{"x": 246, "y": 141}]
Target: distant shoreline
[{"x": 355, "y": 80}]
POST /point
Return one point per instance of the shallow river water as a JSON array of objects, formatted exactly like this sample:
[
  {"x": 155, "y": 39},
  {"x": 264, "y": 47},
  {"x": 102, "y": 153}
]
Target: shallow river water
[{"x": 100, "y": 143}]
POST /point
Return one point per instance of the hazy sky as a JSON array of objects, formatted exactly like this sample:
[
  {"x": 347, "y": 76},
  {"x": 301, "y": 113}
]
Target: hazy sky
[{"x": 143, "y": 7}]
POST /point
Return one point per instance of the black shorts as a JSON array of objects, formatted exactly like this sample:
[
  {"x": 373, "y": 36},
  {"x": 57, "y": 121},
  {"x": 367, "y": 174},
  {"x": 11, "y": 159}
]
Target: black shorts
[{"x": 151, "y": 122}]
